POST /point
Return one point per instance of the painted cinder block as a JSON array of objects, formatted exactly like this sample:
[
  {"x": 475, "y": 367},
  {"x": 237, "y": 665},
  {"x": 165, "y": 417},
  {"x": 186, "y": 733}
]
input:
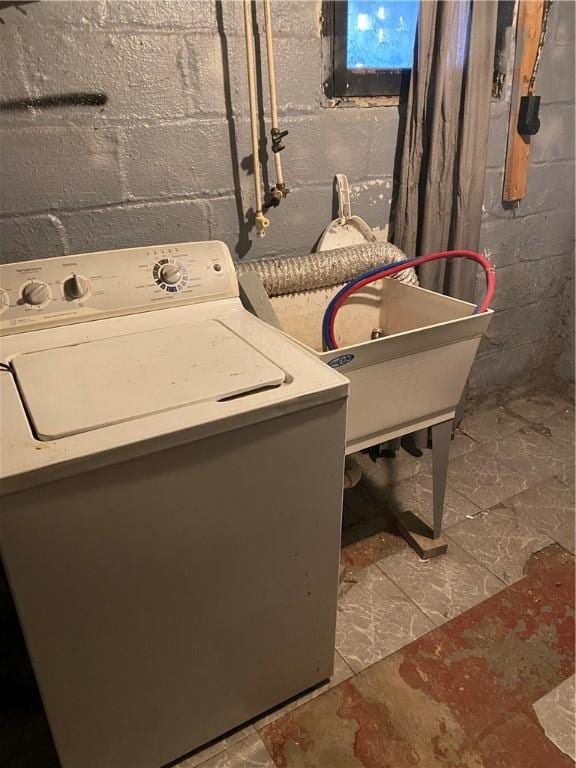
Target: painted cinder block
[
  {"x": 197, "y": 15},
  {"x": 291, "y": 18},
  {"x": 190, "y": 157},
  {"x": 141, "y": 74},
  {"x": 524, "y": 283},
  {"x": 550, "y": 186},
  {"x": 58, "y": 167},
  {"x": 30, "y": 237},
  {"x": 506, "y": 367},
  {"x": 525, "y": 238},
  {"x": 136, "y": 225},
  {"x": 553, "y": 142}
]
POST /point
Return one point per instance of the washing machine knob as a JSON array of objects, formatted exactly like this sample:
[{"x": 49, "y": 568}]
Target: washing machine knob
[
  {"x": 76, "y": 287},
  {"x": 36, "y": 293},
  {"x": 170, "y": 274}
]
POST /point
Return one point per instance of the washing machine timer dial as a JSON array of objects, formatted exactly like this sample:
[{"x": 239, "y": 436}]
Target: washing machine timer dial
[
  {"x": 170, "y": 275},
  {"x": 36, "y": 293}
]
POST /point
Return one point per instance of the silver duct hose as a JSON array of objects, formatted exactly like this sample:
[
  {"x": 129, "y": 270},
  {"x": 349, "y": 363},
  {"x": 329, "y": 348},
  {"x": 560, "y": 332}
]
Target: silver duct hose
[{"x": 290, "y": 274}]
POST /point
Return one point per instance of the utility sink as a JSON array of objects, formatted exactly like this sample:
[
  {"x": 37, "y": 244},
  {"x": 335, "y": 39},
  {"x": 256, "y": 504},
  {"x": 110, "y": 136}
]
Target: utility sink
[{"x": 412, "y": 377}]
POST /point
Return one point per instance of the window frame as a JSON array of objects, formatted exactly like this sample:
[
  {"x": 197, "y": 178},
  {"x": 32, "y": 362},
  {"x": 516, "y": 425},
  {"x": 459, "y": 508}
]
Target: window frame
[
  {"x": 343, "y": 82},
  {"x": 337, "y": 94}
]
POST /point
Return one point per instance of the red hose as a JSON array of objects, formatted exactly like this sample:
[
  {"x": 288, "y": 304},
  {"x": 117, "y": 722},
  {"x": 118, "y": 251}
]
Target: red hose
[{"x": 473, "y": 255}]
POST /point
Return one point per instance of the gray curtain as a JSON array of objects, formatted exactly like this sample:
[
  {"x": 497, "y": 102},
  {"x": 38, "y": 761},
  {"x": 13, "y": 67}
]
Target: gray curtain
[{"x": 440, "y": 187}]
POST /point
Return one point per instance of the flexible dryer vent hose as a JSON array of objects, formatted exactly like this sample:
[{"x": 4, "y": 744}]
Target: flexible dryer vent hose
[{"x": 290, "y": 274}]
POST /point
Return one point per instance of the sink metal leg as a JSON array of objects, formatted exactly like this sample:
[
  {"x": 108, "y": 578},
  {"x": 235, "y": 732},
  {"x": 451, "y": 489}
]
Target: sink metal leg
[
  {"x": 429, "y": 542},
  {"x": 441, "y": 436}
]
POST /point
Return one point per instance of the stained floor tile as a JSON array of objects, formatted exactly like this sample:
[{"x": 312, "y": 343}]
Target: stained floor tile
[
  {"x": 461, "y": 444},
  {"x": 518, "y": 740},
  {"x": 549, "y": 508},
  {"x": 373, "y": 721},
  {"x": 560, "y": 429},
  {"x": 248, "y": 753},
  {"x": 421, "y": 714},
  {"x": 357, "y": 509},
  {"x": 556, "y": 712},
  {"x": 504, "y": 468},
  {"x": 316, "y": 736},
  {"x": 217, "y": 748},
  {"x": 376, "y": 720},
  {"x": 537, "y": 407},
  {"x": 369, "y": 524},
  {"x": 341, "y": 672},
  {"x": 413, "y": 715},
  {"x": 368, "y": 551},
  {"x": 568, "y": 476},
  {"x": 504, "y": 653},
  {"x": 415, "y": 495},
  {"x": 445, "y": 586},
  {"x": 482, "y": 478},
  {"x": 375, "y": 618},
  {"x": 536, "y": 457},
  {"x": 491, "y": 424},
  {"x": 501, "y": 540},
  {"x": 457, "y": 696}
]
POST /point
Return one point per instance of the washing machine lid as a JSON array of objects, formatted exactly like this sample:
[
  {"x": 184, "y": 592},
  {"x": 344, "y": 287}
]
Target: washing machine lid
[{"x": 74, "y": 389}]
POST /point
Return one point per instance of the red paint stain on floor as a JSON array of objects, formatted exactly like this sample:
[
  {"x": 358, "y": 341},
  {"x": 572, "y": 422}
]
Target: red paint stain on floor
[
  {"x": 518, "y": 742},
  {"x": 485, "y": 668},
  {"x": 280, "y": 733},
  {"x": 376, "y": 744},
  {"x": 508, "y": 651}
]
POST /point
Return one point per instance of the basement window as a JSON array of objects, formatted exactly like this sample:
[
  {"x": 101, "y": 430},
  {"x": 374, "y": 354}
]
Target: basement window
[
  {"x": 373, "y": 47},
  {"x": 369, "y": 48}
]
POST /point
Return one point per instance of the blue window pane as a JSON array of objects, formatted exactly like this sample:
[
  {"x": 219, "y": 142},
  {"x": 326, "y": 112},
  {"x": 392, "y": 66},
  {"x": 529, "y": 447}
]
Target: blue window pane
[{"x": 381, "y": 33}]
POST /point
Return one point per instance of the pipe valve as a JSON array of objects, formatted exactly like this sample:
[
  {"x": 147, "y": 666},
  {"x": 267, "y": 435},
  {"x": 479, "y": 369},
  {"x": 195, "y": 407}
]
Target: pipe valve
[
  {"x": 277, "y": 192},
  {"x": 277, "y": 136}
]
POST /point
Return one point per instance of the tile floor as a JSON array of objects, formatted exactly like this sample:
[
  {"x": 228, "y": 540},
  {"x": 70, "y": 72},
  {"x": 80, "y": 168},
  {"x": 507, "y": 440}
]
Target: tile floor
[
  {"x": 461, "y": 695},
  {"x": 465, "y": 661},
  {"x": 462, "y": 661}
]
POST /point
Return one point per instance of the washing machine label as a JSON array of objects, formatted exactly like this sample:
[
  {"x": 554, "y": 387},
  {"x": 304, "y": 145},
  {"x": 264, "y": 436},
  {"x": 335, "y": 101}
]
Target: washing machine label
[{"x": 338, "y": 362}]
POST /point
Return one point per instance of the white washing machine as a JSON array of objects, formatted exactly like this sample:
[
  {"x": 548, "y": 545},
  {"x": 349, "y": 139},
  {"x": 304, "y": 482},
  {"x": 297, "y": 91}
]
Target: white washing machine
[{"x": 171, "y": 480}]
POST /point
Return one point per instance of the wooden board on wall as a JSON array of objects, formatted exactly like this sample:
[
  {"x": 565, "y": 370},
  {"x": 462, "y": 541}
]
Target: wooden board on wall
[{"x": 529, "y": 25}]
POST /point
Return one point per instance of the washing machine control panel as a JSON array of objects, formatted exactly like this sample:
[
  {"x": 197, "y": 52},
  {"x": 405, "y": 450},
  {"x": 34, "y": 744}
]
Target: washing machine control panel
[{"x": 70, "y": 289}]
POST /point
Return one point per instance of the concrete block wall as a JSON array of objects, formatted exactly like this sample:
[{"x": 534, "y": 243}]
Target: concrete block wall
[
  {"x": 532, "y": 245},
  {"x": 168, "y": 157}
]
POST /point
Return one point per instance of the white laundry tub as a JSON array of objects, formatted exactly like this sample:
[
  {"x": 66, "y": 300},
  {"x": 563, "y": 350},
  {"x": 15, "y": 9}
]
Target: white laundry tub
[{"x": 411, "y": 378}]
